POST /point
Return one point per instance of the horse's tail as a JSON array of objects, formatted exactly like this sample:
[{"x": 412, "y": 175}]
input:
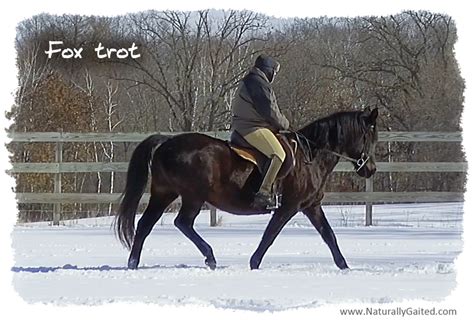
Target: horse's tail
[{"x": 137, "y": 178}]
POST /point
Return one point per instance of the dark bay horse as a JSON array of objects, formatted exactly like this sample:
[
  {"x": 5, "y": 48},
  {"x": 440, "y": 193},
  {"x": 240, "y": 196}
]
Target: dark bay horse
[{"x": 202, "y": 169}]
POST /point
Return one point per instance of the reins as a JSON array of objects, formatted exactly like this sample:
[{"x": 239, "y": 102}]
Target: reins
[
  {"x": 308, "y": 154},
  {"x": 359, "y": 162}
]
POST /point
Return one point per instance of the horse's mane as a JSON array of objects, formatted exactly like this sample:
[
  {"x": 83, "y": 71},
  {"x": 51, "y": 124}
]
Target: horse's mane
[{"x": 333, "y": 130}]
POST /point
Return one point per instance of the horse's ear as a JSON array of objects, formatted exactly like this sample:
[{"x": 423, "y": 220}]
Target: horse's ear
[
  {"x": 370, "y": 116},
  {"x": 373, "y": 116}
]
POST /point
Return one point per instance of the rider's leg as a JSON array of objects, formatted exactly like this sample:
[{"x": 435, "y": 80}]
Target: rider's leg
[
  {"x": 265, "y": 141},
  {"x": 270, "y": 175}
]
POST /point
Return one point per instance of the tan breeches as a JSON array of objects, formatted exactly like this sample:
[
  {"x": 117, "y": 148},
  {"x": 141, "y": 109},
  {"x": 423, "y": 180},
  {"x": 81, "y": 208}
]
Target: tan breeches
[{"x": 265, "y": 141}]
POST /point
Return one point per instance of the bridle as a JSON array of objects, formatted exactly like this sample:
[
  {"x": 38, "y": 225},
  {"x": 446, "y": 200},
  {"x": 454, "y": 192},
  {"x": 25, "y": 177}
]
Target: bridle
[
  {"x": 308, "y": 154},
  {"x": 359, "y": 162}
]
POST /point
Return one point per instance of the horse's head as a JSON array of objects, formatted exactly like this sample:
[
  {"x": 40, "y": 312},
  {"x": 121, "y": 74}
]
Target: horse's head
[
  {"x": 362, "y": 147},
  {"x": 349, "y": 135}
]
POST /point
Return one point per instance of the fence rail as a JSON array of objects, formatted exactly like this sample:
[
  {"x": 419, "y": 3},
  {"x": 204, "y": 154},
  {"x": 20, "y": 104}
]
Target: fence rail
[
  {"x": 369, "y": 196},
  {"x": 72, "y": 167},
  {"x": 138, "y": 137},
  {"x": 329, "y": 197}
]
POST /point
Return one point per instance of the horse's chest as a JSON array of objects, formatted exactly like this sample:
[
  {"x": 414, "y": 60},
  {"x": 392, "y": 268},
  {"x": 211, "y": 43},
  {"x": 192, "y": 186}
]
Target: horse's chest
[{"x": 304, "y": 183}]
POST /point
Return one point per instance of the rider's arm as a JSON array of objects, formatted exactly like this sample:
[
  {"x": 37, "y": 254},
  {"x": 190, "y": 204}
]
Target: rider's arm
[{"x": 265, "y": 103}]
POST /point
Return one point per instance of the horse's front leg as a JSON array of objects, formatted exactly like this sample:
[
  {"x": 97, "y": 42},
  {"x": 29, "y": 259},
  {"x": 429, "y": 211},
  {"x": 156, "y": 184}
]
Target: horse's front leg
[
  {"x": 319, "y": 221},
  {"x": 276, "y": 224}
]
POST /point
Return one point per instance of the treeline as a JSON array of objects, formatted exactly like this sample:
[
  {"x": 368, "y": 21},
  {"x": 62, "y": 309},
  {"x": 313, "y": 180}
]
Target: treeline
[{"x": 188, "y": 69}]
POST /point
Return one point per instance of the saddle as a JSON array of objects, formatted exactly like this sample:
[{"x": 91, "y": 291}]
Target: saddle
[{"x": 244, "y": 150}]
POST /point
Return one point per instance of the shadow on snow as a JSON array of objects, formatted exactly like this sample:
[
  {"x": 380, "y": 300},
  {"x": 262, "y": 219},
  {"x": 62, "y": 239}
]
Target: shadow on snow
[{"x": 48, "y": 269}]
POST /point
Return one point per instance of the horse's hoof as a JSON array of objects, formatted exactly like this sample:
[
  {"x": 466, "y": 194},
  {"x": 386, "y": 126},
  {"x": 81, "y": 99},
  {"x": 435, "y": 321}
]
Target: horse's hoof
[
  {"x": 254, "y": 264},
  {"x": 342, "y": 265},
  {"x": 211, "y": 263},
  {"x": 132, "y": 263}
]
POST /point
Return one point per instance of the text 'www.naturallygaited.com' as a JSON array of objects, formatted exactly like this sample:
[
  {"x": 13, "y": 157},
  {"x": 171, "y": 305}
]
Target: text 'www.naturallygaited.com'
[{"x": 398, "y": 311}]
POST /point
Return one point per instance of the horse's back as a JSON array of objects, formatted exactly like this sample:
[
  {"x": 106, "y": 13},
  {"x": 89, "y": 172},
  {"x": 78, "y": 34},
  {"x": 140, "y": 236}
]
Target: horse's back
[
  {"x": 192, "y": 155},
  {"x": 200, "y": 165},
  {"x": 198, "y": 147}
]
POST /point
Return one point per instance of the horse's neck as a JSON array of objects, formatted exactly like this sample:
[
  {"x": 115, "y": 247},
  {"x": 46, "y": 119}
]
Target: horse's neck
[
  {"x": 325, "y": 161},
  {"x": 324, "y": 135}
]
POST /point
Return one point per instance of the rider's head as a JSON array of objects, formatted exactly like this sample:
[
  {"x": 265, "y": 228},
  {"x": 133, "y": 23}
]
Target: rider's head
[{"x": 268, "y": 66}]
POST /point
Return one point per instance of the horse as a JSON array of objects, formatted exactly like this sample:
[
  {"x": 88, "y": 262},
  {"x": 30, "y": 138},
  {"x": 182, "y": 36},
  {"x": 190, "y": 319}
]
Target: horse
[{"x": 200, "y": 169}]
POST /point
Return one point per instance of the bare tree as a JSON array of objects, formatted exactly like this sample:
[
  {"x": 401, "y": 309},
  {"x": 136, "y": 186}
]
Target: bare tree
[{"x": 194, "y": 63}]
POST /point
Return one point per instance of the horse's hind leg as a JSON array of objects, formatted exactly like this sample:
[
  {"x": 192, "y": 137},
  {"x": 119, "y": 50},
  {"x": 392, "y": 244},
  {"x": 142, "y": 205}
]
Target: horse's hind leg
[
  {"x": 156, "y": 206},
  {"x": 185, "y": 221},
  {"x": 319, "y": 221}
]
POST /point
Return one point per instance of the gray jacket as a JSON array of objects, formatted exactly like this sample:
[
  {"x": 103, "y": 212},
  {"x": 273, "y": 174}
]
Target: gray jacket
[{"x": 254, "y": 105}]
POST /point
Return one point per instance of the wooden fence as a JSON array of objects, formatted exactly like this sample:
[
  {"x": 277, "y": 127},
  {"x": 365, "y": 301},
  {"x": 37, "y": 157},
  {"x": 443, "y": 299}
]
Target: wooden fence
[{"x": 368, "y": 197}]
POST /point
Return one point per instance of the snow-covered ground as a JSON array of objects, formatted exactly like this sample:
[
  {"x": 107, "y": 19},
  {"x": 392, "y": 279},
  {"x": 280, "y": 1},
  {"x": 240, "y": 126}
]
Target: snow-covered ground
[{"x": 409, "y": 254}]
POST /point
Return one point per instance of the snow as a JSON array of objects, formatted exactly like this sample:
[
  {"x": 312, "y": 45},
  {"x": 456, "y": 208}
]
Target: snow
[{"x": 409, "y": 254}]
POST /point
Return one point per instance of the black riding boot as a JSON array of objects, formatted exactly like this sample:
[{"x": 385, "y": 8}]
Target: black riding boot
[{"x": 264, "y": 198}]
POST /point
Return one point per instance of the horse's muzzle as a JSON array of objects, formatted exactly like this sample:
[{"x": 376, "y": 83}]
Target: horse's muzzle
[{"x": 367, "y": 171}]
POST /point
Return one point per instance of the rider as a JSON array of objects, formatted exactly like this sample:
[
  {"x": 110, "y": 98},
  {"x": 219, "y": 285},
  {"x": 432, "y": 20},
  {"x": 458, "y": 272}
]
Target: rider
[{"x": 256, "y": 117}]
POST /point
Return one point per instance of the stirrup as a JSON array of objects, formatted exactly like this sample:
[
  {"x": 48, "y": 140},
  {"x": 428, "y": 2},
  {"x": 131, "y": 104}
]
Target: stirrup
[{"x": 277, "y": 200}]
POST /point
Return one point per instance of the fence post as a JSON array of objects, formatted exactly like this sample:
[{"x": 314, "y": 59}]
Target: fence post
[
  {"x": 369, "y": 187},
  {"x": 213, "y": 210},
  {"x": 213, "y": 217},
  {"x": 57, "y": 180}
]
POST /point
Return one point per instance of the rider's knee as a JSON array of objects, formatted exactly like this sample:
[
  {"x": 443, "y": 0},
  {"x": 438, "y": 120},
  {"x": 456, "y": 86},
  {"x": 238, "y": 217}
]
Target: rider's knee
[{"x": 281, "y": 155}]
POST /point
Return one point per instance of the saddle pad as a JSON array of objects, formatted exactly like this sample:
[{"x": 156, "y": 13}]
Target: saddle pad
[{"x": 244, "y": 154}]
